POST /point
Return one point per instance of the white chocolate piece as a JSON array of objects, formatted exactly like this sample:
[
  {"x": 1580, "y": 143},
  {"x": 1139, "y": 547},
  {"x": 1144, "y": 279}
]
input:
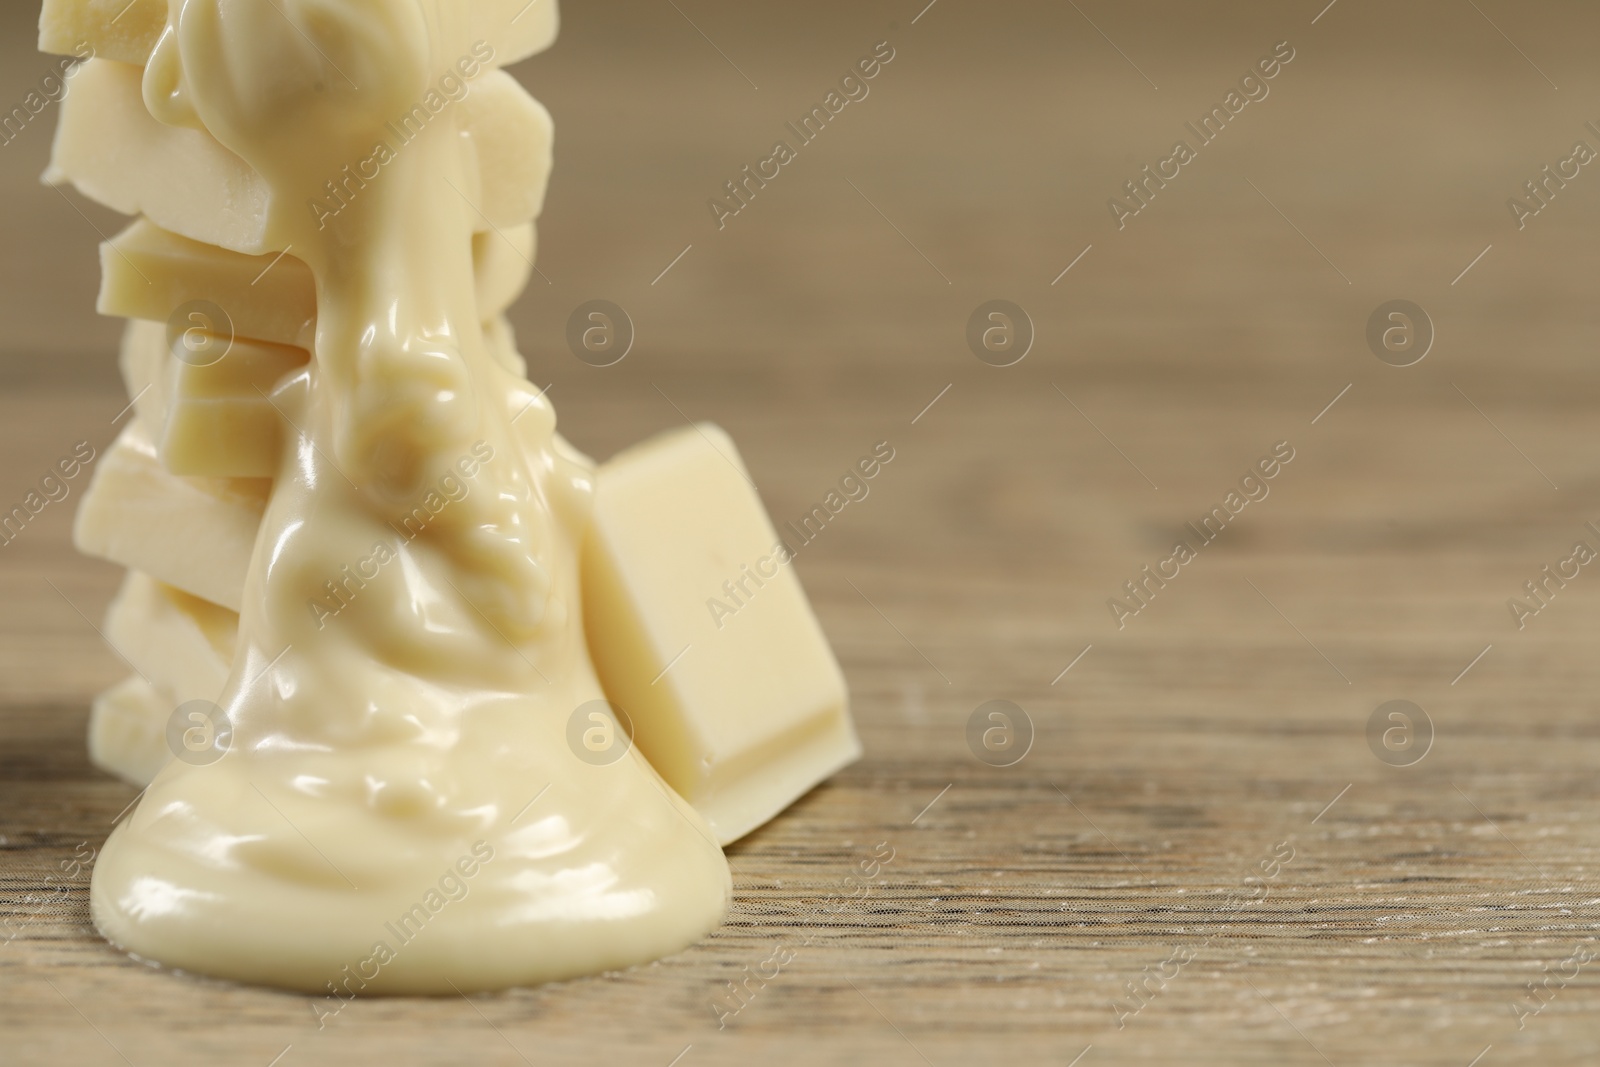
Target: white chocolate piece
[
  {"x": 147, "y": 273},
  {"x": 127, "y": 30},
  {"x": 743, "y": 712},
  {"x": 513, "y": 137},
  {"x": 127, "y": 731},
  {"x": 182, "y": 648},
  {"x": 124, "y": 30},
  {"x": 179, "y": 643},
  {"x": 116, "y": 153},
  {"x": 212, "y": 421},
  {"x": 193, "y": 533}
]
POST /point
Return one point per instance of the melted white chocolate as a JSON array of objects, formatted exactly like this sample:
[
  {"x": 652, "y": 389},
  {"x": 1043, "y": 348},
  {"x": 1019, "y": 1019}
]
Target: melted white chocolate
[{"x": 370, "y": 829}]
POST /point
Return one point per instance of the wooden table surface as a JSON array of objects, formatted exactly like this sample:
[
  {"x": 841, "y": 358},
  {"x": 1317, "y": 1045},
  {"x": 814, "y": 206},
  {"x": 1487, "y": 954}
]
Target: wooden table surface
[{"x": 1201, "y": 816}]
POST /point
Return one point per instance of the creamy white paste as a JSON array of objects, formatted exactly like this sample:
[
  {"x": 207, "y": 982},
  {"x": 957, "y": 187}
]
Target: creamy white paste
[{"x": 370, "y": 828}]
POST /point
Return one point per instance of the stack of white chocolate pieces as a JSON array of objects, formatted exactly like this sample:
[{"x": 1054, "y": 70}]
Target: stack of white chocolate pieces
[{"x": 741, "y": 715}]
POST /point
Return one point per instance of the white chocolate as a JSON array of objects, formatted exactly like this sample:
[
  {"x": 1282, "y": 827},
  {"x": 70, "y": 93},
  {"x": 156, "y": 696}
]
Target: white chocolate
[
  {"x": 148, "y": 273},
  {"x": 182, "y": 645},
  {"x": 126, "y": 30},
  {"x": 411, "y": 672},
  {"x": 744, "y": 710},
  {"x": 127, "y": 731},
  {"x": 115, "y": 152},
  {"x": 182, "y": 648},
  {"x": 215, "y": 420},
  {"x": 192, "y": 533}
]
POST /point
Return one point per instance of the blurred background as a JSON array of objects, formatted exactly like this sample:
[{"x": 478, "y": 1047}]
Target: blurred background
[{"x": 1172, "y": 752}]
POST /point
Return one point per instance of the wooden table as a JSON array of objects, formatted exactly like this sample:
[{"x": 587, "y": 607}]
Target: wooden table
[{"x": 1402, "y": 912}]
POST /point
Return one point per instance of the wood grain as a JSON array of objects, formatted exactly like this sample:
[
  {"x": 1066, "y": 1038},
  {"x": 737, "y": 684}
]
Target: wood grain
[{"x": 1223, "y": 726}]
